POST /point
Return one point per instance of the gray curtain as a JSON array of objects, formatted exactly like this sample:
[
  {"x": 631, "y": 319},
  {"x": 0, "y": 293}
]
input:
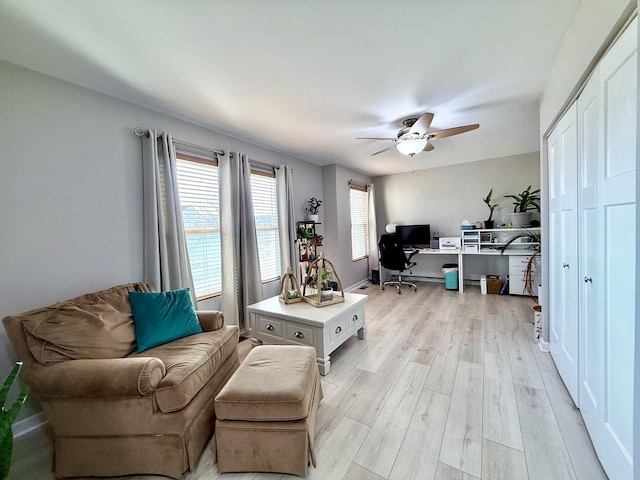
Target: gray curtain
[
  {"x": 373, "y": 230},
  {"x": 166, "y": 261},
  {"x": 286, "y": 218},
  {"x": 241, "y": 283}
]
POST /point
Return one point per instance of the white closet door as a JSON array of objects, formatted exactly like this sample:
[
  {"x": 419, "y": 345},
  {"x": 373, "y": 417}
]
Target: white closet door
[
  {"x": 563, "y": 245},
  {"x": 616, "y": 179},
  {"x": 591, "y": 392}
]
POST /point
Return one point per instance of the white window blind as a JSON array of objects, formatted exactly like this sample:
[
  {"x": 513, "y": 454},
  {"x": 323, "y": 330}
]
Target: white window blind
[
  {"x": 265, "y": 210},
  {"x": 199, "y": 202},
  {"x": 359, "y": 222}
]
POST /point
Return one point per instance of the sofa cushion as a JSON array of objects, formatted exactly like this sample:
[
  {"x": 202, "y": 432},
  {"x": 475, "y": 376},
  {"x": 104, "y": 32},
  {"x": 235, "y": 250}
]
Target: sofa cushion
[
  {"x": 190, "y": 362},
  {"x": 161, "y": 317},
  {"x": 96, "y": 325}
]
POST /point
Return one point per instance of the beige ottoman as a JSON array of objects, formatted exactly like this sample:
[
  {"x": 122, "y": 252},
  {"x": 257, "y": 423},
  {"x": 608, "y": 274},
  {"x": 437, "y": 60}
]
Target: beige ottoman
[{"x": 266, "y": 412}]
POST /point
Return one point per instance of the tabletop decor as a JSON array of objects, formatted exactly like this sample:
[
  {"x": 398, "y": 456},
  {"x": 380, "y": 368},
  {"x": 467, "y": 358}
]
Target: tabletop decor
[
  {"x": 289, "y": 288},
  {"x": 317, "y": 289}
]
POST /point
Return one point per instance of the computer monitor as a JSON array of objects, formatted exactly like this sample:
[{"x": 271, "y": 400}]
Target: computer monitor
[{"x": 414, "y": 235}]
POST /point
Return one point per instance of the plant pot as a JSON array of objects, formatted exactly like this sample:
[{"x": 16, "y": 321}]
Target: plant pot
[
  {"x": 488, "y": 223},
  {"x": 326, "y": 295},
  {"x": 520, "y": 219},
  {"x": 312, "y": 218}
]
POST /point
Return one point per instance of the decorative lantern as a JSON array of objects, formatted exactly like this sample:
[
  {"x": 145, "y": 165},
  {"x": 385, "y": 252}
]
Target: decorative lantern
[
  {"x": 289, "y": 288},
  {"x": 322, "y": 285}
]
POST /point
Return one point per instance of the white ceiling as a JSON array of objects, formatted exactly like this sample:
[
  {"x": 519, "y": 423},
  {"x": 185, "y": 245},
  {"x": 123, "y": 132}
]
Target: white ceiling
[{"x": 307, "y": 77}]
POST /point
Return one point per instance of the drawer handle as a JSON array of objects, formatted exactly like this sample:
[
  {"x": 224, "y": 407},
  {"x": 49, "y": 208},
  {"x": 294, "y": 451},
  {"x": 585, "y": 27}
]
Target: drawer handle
[
  {"x": 298, "y": 335},
  {"x": 565, "y": 265},
  {"x": 355, "y": 318},
  {"x": 338, "y": 330},
  {"x": 588, "y": 279},
  {"x": 269, "y": 326}
]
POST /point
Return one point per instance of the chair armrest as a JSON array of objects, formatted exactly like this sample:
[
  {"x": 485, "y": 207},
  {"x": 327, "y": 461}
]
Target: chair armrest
[
  {"x": 414, "y": 252},
  {"x": 210, "y": 320},
  {"x": 108, "y": 377}
]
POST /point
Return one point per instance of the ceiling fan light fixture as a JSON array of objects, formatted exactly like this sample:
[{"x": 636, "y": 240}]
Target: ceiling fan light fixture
[{"x": 411, "y": 146}]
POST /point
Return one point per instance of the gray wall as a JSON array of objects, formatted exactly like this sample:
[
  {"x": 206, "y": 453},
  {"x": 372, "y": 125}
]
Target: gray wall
[
  {"x": 71, "y": 190},
  {"x": 337, "y": 218},
  {"x": 445, "y": 196}
]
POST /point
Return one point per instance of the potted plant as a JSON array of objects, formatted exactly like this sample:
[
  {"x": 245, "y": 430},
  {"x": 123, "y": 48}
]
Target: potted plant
[
  {"x": 326, "y": 280},
  {"x": 6, "y": 420},
  {"x": 313, "y": 208},
  {"x": 489, "y": 222},
  {"x": 524, "y": 202}
]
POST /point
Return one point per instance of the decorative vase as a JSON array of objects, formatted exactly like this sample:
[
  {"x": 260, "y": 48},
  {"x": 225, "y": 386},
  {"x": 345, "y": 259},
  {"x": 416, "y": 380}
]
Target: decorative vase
[
  {"x": 520, "y": 219},
  {"x": 312, "y": 218}
]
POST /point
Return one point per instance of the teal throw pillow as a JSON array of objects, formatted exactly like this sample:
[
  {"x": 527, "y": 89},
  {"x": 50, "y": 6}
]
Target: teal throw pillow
[{"x": 161, "y": 317}]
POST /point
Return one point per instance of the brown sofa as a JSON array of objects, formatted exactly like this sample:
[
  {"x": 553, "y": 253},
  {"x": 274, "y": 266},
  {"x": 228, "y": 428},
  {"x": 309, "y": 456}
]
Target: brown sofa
[{"x": 113, "y": 411}]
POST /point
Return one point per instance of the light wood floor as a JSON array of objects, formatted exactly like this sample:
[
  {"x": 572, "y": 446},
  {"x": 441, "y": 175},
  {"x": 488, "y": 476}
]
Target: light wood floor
[{"x": 445, "y": 386}]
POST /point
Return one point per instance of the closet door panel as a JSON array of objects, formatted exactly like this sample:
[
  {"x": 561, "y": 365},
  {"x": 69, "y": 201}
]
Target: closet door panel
[
  {"x": 620, "y": 319},
  {"x": 618, "y": 96},
  {"x": 563, "y": 256},
  {"x": 591, "y": 391}
]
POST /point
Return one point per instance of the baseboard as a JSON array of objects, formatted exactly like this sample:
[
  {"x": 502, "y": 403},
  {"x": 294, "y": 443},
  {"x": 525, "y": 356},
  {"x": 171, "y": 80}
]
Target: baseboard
[
  {"x": 356, "y": 286},
  {"x": 29, "y": 424},
  {"x": 544, "y": 346}
]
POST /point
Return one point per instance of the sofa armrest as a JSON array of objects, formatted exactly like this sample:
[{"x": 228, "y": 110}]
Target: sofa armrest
[
  {"x": 109, "y": 377},
  {"x": 210, "y": 320}
]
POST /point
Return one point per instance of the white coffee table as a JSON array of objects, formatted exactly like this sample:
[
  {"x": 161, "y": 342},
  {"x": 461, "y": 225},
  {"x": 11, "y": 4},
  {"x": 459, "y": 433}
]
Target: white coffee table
[{"x": 325, "y": 328}]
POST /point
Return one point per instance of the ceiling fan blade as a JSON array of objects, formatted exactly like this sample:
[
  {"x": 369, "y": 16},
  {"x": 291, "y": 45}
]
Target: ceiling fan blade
[
  {"x": 422, "y": 124},
  {"x": 376, "y": 138},
  {"x": 428, "y": 147},
  {"x": 383, "y": 150},
  {"x": 448, "y": 132}
]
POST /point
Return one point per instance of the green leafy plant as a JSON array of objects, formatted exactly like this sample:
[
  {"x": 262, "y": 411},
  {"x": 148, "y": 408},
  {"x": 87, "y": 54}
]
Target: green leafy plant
[
  {"x": 492, "y": 207},
  {"x": 526, "y": 200},
  {"x": 326, "y": 276},
  {"x": 291, "y": 294},
  {"x": 314, "y": 205},
  {"x": 6, "y": 420},
  {"x": 303, "y": 233}
]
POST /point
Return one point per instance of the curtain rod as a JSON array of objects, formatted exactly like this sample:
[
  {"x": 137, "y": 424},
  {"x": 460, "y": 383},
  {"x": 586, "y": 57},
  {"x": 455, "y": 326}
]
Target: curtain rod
[
  {"x": 260, "y": 164},
  {"x": 140, "y": 132},
  {"x": 360, "y": 185}
]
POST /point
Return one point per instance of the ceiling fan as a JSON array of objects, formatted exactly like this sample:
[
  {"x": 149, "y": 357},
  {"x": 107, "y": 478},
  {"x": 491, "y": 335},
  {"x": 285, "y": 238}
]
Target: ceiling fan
[{"x": 413, "y": 137}]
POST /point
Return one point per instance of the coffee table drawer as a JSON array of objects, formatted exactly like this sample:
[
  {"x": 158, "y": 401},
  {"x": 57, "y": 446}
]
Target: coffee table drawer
[
  {"x": 355, "y": 318},
  {"x": 270, "y": 326},
  {"x": 337, "y": 330},
  {"x": 299, "y": 334}
]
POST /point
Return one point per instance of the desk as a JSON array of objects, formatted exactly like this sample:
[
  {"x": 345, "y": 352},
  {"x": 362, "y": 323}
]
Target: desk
[
  {"x": 460, "y": 255},
  {"x": 507, "y": 255}
]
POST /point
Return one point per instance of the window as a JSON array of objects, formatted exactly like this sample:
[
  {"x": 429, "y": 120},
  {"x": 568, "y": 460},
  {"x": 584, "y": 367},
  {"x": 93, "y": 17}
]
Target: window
[
  {"x": 199, "y": 202},
  {"x": 359, "y": 222},
  {"x": 265, "y": 210}
]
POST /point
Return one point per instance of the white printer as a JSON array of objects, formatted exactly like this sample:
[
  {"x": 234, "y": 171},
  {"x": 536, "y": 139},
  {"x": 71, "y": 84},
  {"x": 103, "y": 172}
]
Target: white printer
[{"x": 450, "y": 243}]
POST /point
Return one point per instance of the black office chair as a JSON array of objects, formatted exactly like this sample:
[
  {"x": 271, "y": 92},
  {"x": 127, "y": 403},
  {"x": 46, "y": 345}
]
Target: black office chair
[{"x": 393, "y": 257}]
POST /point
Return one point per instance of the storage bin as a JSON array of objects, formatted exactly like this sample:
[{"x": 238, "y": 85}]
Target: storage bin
[
  {"x": 494, "y": 282},
  {"x": 450, "y": 271}
]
